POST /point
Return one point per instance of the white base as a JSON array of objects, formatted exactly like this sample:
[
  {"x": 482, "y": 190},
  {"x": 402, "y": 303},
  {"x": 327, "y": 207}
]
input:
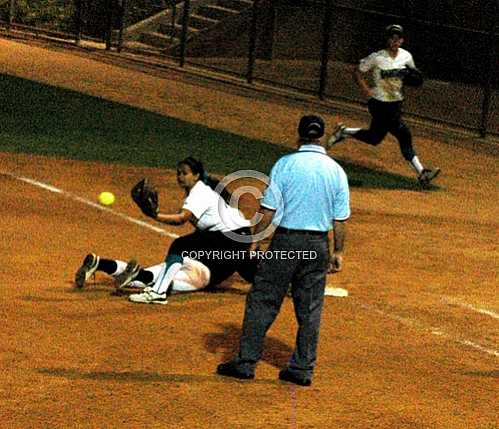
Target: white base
[{"x": 335, "y": 291}]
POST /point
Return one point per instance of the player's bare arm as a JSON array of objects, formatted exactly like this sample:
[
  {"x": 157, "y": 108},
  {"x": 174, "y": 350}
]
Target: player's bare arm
[
  {"x": 183, "y": 216},
  {"x": 361, "y": 81}
]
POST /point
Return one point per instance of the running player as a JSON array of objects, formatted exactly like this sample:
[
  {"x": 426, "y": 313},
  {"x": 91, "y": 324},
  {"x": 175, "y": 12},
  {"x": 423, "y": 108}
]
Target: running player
[{"x": 387, "y": 68}]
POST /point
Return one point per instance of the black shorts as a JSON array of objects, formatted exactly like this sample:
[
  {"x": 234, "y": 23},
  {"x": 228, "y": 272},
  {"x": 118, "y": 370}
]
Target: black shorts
[
  {"x": 385, "y": 113},
  {"x": 221, "y": 254}
]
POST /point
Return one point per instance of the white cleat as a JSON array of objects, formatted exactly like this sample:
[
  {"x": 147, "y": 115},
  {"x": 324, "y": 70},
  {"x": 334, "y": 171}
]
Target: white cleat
[
  {"x": 149, "y": 297},
  {"x": 427, "y": 175},
  {"x": 338, "y": 135},
  {"x": 128, "y": 276}
]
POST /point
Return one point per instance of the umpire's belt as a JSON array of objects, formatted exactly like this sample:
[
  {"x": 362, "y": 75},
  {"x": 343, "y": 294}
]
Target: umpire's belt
[{"x": 282, "y": 230}]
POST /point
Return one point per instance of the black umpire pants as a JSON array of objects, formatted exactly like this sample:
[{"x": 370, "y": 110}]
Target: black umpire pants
[
  {"x": 386, "y": 118},
  {"x": 274, "y": 275}
]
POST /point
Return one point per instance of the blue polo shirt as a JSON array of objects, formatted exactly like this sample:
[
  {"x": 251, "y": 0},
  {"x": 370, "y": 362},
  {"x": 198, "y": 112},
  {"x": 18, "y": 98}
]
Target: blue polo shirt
[{"x": 308, "y": 190}]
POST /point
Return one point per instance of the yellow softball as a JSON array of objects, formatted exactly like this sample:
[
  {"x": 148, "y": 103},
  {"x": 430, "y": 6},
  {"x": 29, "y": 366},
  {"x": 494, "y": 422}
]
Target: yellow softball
[{"x": 106, "y": 198}]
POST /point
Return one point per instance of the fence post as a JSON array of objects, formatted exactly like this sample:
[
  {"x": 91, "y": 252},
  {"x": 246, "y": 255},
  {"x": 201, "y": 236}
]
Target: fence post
[
  {"x": 78, "y": 19},
  {"x": 267, "y": 12},
  {"x": 487, "y": 83},
  {"x": 12, "y": 11},
  {"x": 173, "y": 30},
  {"x": 252, "y": 43},
  {"x": 487, "y": 90},
  {"x": 109, "y": 25},
  {"x": 326, "y": 30},
  {"x": 183, "y": 36},
  {"x": 122, "y": 10}
]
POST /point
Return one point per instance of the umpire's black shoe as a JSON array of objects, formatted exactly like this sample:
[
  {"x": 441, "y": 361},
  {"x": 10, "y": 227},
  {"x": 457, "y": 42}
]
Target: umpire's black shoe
[
  {"x": 287, "y": 375},
  {"x": 230, "y": 369}
]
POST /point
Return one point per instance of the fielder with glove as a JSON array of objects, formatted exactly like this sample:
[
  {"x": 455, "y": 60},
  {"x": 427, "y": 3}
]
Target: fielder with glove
[
  {"x": 390, "y": 69},
  {"x": 213, "y": 218},
  {"x": 146, "y": 197}
]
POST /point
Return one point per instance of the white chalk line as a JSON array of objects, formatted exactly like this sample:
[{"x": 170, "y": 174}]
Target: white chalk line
[
  {"x": 467, "y": 306},
  {"x": 93, "y": 204},
  {"x": 408, "y": 322},
  {"x": 432, "y": 330}
]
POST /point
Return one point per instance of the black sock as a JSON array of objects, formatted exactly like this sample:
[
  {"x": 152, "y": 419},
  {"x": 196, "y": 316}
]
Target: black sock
[
  {"x": 109, "y": 266},
  {"x": 145, "y": 276}
]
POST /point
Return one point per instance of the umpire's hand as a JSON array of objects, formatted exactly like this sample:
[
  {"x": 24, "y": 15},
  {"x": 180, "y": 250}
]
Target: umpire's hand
[{"x": 335, "y": 262}]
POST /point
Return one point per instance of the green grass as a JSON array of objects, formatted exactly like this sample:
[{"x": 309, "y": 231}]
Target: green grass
[{"x": 45, "y": 120}]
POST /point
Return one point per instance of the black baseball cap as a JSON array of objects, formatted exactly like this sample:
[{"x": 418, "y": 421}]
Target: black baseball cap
[
  {"x": 394, "y": 29},
  {"x": 311, "y": 127}
]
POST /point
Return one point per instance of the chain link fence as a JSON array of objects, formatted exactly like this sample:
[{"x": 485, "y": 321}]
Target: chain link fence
[
  {"x": 308, "y": 46},
  {"x": 49, "y": 16}
]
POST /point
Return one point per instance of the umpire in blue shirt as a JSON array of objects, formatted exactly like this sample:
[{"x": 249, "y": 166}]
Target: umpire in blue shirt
[{"x": 308, "y": 200}]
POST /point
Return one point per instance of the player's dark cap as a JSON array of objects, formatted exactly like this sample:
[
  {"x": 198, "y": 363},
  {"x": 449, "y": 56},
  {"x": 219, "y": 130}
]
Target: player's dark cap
[
  {"x": 394, "y": 29},
  {"x": 311, "y": 127}
]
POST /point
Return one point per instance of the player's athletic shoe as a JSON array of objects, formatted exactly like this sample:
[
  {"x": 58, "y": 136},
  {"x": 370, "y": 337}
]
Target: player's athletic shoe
[
  {"x": 128, "y": 276},
  {"x": 338, "y": 135},
  {"x": 148, "y": 297},
  {"x": 87, "y": 269},
  {"x": 427, "y": 175}
]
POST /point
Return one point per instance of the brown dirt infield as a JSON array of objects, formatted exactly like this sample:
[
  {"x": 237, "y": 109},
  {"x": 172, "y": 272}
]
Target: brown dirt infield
[{"x": 415, "y": 345}]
